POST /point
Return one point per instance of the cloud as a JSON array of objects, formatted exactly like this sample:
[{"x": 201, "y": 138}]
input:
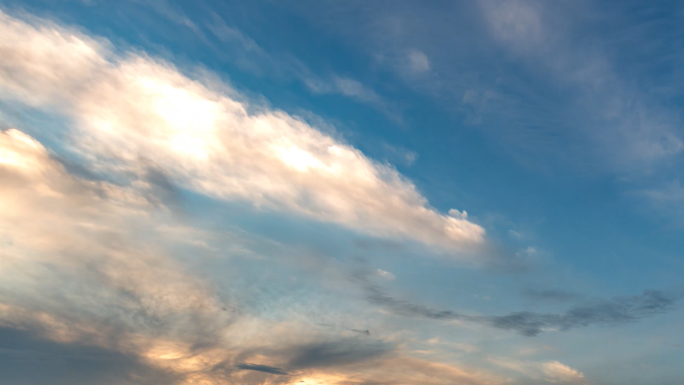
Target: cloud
[
  {"x": 352, "y": 89},
  {"x": 336, "y": 353},
  {"x": 169, "y": 11},
  {"x": 365, "y": 331},
  {"x": 550, "y": 371},
  {"x": 619, "y": 310},
  {"x": 418, "y": 62},
  {"x": 554, "y": 84},
  {"x": 627, "y": 123},
  {"x": 665, "y": 200},
  {"x": 672, "y": 194},
  {"x": 386, "y": 275},
  {"x": 261, "y": 368},
  {"x": 93, "y": 249},
  {"x": 344, "y": 86},
  {"x": 559, "y": 373},
  {"x": 101, "y": 255},
  {"x": 22, "y": 352},
  {"x": 400, "y": 155},
  {"x": 133, "y": 109},
  {"x": 248, "y": 55},
  {"x": 48, "y": 65},
  {"x": 515, "y": 22},
  {"x": 113, "y": 259}
]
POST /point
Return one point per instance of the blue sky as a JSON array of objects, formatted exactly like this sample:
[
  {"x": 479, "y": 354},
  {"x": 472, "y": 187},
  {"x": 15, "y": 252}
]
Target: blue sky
[{"x": 307, "y": 192}]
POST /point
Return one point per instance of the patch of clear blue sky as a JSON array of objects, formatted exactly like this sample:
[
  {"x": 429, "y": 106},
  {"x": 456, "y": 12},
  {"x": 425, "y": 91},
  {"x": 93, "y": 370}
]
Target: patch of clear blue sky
[{"x": 586, "y": 218}]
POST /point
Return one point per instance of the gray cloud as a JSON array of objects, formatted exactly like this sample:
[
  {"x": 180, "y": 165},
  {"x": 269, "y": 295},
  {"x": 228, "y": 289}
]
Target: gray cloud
[
  {"x": 366, "y": 331},
  {"x": 336, "y": 353},
  {"x": 26, "y": 359},
  {"x": 618, "y": 310},
  {"x": 261, "y": 368}
]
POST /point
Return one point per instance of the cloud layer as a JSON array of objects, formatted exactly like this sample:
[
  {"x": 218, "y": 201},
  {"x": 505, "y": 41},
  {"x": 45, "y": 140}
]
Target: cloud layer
[
  {"x": 131, "y": 110},
  {"x": 91, "y": 265},
  {"x": 88, "y": 266},
  {"x": 102, "y": 262}
]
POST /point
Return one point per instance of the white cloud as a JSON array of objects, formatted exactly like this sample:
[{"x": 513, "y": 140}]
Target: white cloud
[
  {"x": 386, "y": 275},
  {"x": 550, "y": 371},
  {"x": 37, "y": 66},
  {"x": 418, "y": 62},
  {"x": 558, "y": 373},
  {"x": 530, "y": 251},
  {"x": 129, "y": 110}
]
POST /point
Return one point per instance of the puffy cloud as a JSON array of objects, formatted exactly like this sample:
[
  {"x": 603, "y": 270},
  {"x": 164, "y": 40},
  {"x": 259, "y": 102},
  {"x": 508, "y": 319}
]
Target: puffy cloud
[{"x": 132, "y": 109}]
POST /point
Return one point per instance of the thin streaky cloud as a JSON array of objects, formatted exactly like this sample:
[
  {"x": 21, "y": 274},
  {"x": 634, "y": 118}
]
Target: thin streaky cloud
[
  {"x": 616, "y": 311},
  {"x": 261, "y": 368},
  {"x": 248, "y": 55}
]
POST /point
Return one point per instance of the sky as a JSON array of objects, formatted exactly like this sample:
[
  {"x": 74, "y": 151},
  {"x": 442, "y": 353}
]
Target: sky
[{"x": 325, "y": 192}]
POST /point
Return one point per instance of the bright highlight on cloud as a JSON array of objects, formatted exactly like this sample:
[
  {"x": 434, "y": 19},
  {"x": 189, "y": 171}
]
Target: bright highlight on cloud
[
  {"x": 102, "y": 254},
  {"x": 100, "y": 257},
  {"x": 131, "y": 110}
]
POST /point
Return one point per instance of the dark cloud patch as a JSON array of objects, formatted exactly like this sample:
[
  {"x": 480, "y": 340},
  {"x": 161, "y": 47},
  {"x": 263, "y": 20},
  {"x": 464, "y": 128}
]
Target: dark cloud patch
[
  {"x": 375, "y": 295},
  {"x": 26, "y": 359},
  {"x": 76, "y": 168},
  {"x": 366, "y": 331},
  {"x": 336, "y": 353},
  {"x": 162, "y": 187},
  {"x": 261, "y": 368},
  {"x": 618, "y": 310},
  {"x": 360, "y": 331}
]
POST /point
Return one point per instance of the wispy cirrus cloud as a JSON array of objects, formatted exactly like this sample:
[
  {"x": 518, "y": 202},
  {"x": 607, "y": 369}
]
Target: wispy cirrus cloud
[
  {"x": 616, "y": 311},
  {"x": 626, "y": 123},
  {"x": 250, "y": 56},
  {"x": 550, "y": 83}
]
